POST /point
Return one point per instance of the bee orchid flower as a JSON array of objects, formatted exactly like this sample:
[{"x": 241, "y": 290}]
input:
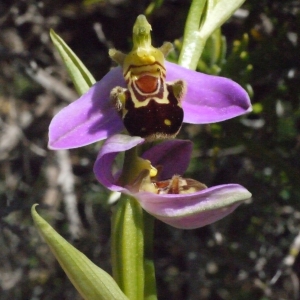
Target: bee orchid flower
[
  {"x": 179, "y": 202},
  {"x": 147, "y": 96}
]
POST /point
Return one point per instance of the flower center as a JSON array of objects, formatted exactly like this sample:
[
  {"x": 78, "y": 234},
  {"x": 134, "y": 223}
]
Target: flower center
[
  {"x": 179, "y": 185},
  {"x": 175, "y": 185}
]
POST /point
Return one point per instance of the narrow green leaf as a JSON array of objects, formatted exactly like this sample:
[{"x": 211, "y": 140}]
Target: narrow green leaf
[
  {"x": 90, "y": 281},
  {"x": 80, "y": 75},
  {"x": 128, "y": 247},
  {"x": 218, "y": 15},
  {"x": 191, "y": 45},
  {"x": 211, "y": 17}
]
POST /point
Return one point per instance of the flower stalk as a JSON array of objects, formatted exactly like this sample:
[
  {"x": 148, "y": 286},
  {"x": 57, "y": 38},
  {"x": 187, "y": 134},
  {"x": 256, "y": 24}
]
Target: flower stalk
[
  {"x": 133, "y": 165},
  {"x": 127, "y": 247},
  {"x": 132, "y": 236}
]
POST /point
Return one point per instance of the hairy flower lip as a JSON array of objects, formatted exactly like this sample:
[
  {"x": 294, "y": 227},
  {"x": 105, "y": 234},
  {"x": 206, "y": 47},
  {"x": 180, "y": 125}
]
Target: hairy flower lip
[
  {"x": 92, "y": 117},
  {"x": 185, "y": 211}
]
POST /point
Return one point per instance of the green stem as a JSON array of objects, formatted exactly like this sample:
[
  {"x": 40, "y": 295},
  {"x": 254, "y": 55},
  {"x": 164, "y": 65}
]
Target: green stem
[
  {"x": 128, "y": 171},
  {"x": 133, "y": 166},
  {"x": 128, "y": 247},
  {"x": 132, "y": 237}
]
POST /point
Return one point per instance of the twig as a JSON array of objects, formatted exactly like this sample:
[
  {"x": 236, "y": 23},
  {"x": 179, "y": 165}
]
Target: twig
[
  {"x": 287, "y": 264},
  {"x": 289, "y": 260},
  {"x": 10, "y": 136},
  {"x": 66, "y": 181},
  {"x": 50, "y": 83}
]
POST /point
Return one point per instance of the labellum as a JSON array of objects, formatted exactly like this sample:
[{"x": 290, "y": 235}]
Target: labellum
[{"x": 150, "y": 107}]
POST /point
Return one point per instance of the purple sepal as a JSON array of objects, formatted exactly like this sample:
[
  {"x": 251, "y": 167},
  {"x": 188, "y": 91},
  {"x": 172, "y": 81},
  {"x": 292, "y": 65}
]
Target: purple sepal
[
  {"x": 92, "y": 117},
  {"x": 89, "y": 119},
  {"x": 209, "y": 98}
]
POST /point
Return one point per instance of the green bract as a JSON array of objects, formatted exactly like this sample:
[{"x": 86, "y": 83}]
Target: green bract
[
  {"x": 203, "y": 19},
  {"x": 80, "y": 75},
  {"x": 90, "y": 281}
]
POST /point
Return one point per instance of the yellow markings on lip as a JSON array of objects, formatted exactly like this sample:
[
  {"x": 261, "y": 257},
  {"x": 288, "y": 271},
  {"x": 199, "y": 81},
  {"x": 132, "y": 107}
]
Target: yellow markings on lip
[{"x": 167, "y": 122}]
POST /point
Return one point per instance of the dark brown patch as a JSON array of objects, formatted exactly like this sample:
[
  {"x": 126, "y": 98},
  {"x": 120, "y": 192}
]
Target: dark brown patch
[{"x": 150, "y": 120}]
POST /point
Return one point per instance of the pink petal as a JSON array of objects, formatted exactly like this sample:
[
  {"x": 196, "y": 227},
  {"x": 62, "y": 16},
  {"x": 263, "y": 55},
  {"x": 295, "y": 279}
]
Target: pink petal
[
  {"x": 209, "y": 99},
  {"x": 173, "y": 155},
  {"x": 90, "y": 118},
  {"x": 189, "y": 211},
  {"x": 104, "y": 162}
]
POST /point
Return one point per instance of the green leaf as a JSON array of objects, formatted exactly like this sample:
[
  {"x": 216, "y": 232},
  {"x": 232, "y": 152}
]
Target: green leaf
[
  {"x": 217, "y": 14},
  {"x": 90, "y": 281},
  {"x": 80, "y": 75},
  {"x": 202, "y": 21},
  {"x": 191, "y": 44}
]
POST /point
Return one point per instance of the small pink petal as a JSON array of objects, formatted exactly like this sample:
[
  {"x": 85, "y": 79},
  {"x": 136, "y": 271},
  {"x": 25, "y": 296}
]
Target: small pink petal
[
  {"x": 173, "y": 155},
  {"x": 189, "y": 211},
  {"x": 104, "y": 162}
]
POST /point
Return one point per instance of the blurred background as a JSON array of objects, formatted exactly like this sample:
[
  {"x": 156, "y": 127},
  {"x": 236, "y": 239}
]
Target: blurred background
[{"x": 252, "y": 253}]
